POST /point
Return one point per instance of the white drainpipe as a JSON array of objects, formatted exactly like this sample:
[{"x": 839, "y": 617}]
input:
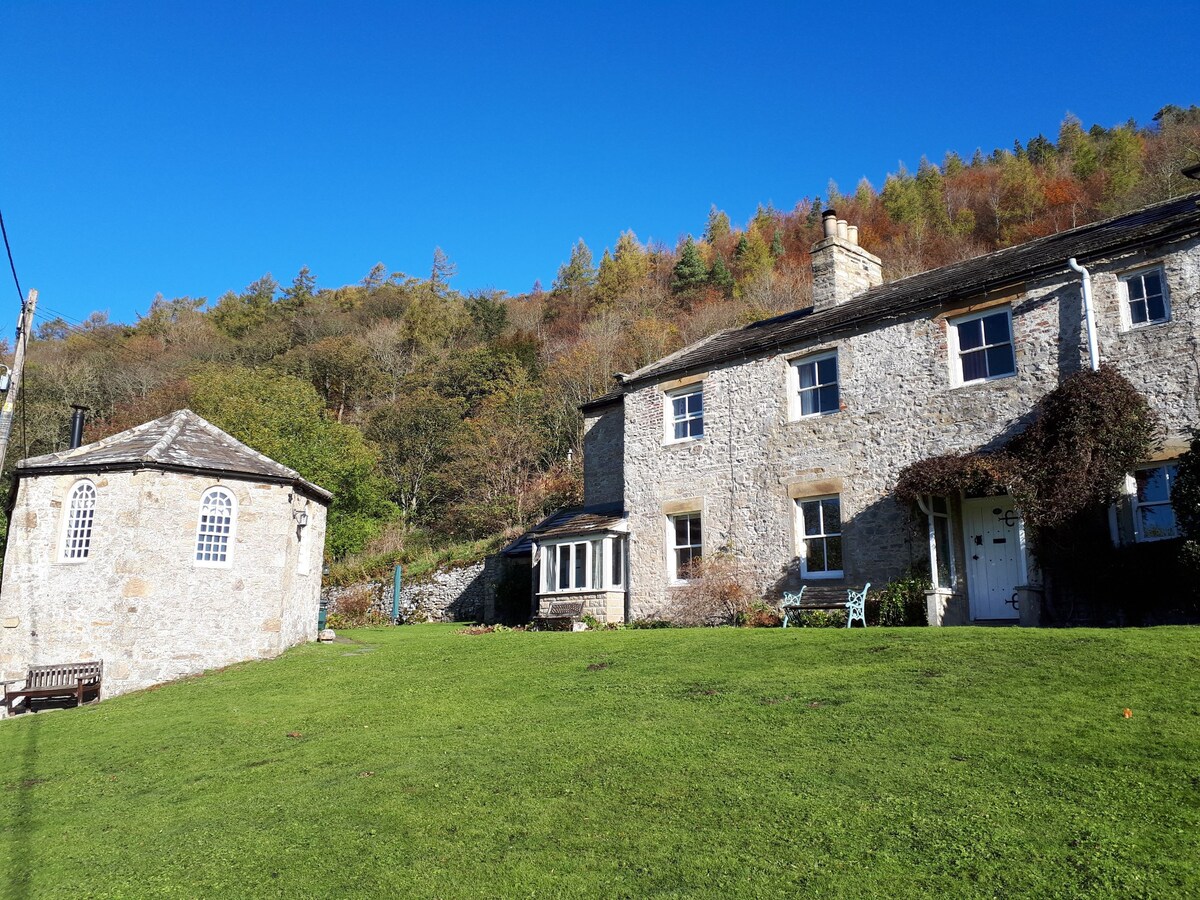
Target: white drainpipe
[{"x": 1088, "y": 314}]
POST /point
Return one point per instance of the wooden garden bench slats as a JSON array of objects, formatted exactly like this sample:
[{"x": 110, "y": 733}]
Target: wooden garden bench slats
[
  {"x": 854, "y": 602},
  {"x": 63, "y": 681},
  {"x": 561, "y": 616}
]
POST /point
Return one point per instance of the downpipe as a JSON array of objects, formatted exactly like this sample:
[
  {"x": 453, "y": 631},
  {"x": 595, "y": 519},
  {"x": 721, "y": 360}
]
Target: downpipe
[{"x": 1088, "y": 313}]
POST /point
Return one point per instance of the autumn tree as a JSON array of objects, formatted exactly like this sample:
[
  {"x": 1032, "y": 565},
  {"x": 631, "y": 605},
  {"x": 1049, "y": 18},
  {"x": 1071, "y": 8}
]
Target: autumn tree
[
  {"x": 283, "y": 417},
  {"x": 416, "y": 434}
]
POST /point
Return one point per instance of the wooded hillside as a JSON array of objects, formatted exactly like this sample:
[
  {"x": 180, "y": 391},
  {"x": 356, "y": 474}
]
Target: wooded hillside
[{"x": 437, "y": 416}]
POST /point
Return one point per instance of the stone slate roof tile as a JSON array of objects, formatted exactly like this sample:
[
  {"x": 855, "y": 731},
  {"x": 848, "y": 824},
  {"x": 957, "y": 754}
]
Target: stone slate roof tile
[
  {"x": 581, "y": 520},
  {"x": 896, "y": 299},
  {"x": 179, "y": 441}
]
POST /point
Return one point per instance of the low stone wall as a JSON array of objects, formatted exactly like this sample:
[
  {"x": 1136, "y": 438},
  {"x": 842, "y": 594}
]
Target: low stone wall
[{"x": 452, "y": 595}]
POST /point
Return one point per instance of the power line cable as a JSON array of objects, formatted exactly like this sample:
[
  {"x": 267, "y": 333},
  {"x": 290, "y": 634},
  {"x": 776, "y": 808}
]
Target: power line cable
[
  {"x": 11, "y": 264},
  {"x": 80, "y": 329}
]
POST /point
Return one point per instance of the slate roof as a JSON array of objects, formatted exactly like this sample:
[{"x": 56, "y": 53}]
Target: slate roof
[
  {"x": 897, "y": 299},
  {"x": 580, "y": 520},
  {"x": 178, "y": 442}
]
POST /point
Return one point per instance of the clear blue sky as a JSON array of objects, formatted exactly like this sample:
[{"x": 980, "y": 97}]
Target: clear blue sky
[{"x": 188, "y": 148}]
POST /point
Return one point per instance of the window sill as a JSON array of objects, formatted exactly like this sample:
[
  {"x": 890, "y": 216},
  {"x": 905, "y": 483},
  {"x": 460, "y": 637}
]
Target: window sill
[
  {"x": 681, "y": 442},
  {"x": 979, "y": 382},
  {"x": 1144, "y": 326},
  {"x": 813, "y": 417}
]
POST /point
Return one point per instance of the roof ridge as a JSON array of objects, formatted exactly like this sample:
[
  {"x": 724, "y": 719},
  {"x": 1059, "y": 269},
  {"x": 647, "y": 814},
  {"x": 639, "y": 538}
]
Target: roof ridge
[
  {"x": 219, "y": 432},
  {"x": 168, "y": 438},
  {"x": 695, "y": 345}
]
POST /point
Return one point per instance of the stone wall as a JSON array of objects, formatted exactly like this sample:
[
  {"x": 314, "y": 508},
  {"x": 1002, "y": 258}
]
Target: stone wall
[
  {"x": 603, "y": 442},
  {"x": 450, "y": 595},
  {"x": 898, "y": 405},
  {"x": 138, "y": 601}
]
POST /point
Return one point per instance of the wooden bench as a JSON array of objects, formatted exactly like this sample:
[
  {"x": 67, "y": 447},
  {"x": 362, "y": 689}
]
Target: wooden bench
[
  {"x": 854, "y": 602},
  {"x": 64, "y": 681},
  {"x": 561, "y": 616}
]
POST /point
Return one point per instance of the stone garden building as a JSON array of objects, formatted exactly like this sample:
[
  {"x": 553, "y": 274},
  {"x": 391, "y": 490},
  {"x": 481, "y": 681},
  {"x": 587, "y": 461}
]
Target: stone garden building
[
  {"x": 163, "y": 551},
  {"x": 782, "y": 441}
]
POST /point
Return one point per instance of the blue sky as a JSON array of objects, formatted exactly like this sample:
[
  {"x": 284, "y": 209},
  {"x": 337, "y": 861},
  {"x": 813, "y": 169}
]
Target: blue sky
[{"x": 189, "y": 148}]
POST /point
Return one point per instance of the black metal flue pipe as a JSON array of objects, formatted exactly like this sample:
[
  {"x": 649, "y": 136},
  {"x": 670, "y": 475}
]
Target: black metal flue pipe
[{"x": 77, "y": 424}]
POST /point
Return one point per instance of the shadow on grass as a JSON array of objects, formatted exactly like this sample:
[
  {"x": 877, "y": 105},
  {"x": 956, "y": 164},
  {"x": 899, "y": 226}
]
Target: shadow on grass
[{"x": 21, "y": 865}]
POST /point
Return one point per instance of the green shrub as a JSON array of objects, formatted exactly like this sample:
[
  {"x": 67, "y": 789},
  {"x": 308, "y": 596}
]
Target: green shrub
[
  {"x": 353, "y": 610},
  {"x": 760, "y": 615},
  {"x": 651, "y": 623},
  {"x": 902, "y": 602},
  {"x": 821, "y": 618}
]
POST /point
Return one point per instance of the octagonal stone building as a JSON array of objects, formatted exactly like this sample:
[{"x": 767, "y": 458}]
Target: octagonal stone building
[{"x": 163, "y": 551}]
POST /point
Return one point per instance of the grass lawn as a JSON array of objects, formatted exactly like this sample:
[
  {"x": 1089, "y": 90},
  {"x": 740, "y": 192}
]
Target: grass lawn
[{"x": 968, "y": 762}]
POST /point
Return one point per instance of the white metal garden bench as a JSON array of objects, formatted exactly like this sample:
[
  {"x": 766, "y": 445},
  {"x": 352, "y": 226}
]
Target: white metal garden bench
[{"x": 855, "y": 602}]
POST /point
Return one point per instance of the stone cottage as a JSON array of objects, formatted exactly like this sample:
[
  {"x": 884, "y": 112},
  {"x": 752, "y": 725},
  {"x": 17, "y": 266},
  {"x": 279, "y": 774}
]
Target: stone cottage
[
  {"x": 163, "y": 551},
  {"x": 782, "y": 441}
]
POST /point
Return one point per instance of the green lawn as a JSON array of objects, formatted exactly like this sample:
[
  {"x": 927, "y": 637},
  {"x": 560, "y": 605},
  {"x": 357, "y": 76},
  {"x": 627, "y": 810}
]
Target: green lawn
[{"x": 973, "y": 762}]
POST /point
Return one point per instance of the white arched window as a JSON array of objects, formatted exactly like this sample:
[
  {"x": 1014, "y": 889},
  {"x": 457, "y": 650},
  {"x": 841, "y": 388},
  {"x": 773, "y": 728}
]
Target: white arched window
[
  {"x": 77, "y": 525},
  {"x": 214, "y": 532}
]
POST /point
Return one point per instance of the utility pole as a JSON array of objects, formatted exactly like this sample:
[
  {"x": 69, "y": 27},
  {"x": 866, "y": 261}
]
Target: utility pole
[{"x": 24, "y": 325}]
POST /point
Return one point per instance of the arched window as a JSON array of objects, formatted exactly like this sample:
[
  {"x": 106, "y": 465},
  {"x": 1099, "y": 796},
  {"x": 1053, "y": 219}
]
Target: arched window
[
  {"x": 77, "y": 530},
  {"x": 217, "y": 514}
]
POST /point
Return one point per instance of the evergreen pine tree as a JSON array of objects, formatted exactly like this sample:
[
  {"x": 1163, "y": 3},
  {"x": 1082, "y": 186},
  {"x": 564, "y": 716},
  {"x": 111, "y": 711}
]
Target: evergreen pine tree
[
  {"x": 777, "y": 244},
  {"x": 720, "y": 277},
  {"x": 577, "y": 274},
  {"x": 718, "y": 225},
  {"x": 690, "y": 271}
]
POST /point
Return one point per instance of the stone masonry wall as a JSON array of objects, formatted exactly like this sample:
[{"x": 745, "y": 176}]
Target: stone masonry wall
[
  {"x": 452, "y": 595},
  {"x": 897, "y": 406},
  {"x": 603, "y": 441},
  {"x": 139, "y": 602}
]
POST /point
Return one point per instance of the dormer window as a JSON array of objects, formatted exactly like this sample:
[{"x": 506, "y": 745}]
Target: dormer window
[
  {"x": 77, "y": 526},
  {"x": 214, "y": 532}
]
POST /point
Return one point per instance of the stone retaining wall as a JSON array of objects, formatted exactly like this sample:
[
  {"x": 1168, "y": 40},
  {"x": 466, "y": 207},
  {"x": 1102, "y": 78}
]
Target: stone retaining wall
[{"x": 452, "y": 595}]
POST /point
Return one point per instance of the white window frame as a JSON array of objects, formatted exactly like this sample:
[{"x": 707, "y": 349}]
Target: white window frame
[
  {"x": 802, "y": 537},
  {"x": 614, "y": 555},
  {"x": 1171, "y": 468},
  {"x": 673, "y": 548},
  {"x": 1127, "y": 304},
  {"x": 230, "y": 538},
  {"x": 596, "y": 552},
  {"x": 87, "y": 519},
  {"x": 670, "y": 418},
  {"x": 927, "y": 504},
  {"x": 795, "y": 403},
  {"x": 956, "y": 353}
]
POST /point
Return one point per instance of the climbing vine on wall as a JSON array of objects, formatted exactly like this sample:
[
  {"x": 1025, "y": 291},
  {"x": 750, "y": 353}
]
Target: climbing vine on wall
[{"x": 1086, "y": 435}]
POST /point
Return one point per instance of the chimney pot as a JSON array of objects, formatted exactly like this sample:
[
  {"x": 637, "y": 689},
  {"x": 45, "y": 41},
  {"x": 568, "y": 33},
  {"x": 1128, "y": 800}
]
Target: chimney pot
[
  {"x": 77, "y": 425},
  {"x": 842, "y": 228},
  {"x": 852, "y": 234},
  {"x": 829, "y": 222}
]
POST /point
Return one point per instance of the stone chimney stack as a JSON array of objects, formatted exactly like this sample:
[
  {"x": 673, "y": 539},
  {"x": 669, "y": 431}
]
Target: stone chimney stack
[{"x": 841, "y": 269}]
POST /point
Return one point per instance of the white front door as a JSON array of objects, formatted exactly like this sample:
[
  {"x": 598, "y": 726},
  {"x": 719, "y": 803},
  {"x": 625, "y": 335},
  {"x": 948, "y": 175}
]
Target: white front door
[{"x": 995, "y": 556}]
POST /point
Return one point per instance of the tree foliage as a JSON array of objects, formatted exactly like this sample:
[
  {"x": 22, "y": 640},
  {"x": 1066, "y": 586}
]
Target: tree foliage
[{"x": 284, "y": 418}]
